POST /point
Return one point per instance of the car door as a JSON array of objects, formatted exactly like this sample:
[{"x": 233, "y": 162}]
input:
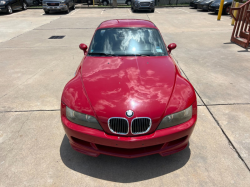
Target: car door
[
  {"x": 69, "y": 3},
  {"x": 19, "y": 3},
  {"x": 121, "y": 1},
  {"x": 15, "y": 4}
]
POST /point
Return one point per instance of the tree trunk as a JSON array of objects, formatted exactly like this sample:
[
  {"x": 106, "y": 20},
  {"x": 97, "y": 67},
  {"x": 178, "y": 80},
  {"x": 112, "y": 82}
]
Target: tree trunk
[{"x": 114, "y": 3}]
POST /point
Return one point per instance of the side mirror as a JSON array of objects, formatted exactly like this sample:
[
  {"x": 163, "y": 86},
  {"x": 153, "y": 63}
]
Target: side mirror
[
  {"x": 83, "y": 47},
  {"x": 171, "y": 47}
]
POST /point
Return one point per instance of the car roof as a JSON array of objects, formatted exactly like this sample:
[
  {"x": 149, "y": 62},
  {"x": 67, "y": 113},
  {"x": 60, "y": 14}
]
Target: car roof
[{"x": 116, "y": 23}]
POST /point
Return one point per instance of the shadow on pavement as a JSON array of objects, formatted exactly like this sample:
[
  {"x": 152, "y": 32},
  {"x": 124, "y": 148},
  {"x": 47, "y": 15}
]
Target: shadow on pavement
[
  {"x": 120, "y": 169},
  {"x": 14, "y": 12},
  {"x": 55, "y": 13},
  {"x": 143, "y": 12},
  {"x": 246, "y": 50}
]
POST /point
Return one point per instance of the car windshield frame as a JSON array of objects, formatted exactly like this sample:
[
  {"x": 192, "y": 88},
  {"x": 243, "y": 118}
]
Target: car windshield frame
[{"x": 155, "y": 45}]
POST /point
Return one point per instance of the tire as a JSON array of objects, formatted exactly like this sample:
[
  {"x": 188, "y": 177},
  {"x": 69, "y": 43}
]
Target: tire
[
  {"x": 227, "y": 10},
  {"x": 128, "y": 2},
  {"x": 73, "y": 7},
  {"x": 90, "y": 2},
  {"x": 67, "y": 11},
  {"x": 24, "y": 6},
  {"x": 105, "y": 3},
  {"x": 46, "y": 12},
  {"x": 153, "y": 10},
  {"x": 9, "y": 9}
]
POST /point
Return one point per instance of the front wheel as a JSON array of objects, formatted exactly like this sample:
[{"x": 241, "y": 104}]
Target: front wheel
[
  {"x": 90, "y": 2},
  {"x": 227, "y": 10},
  {"x": 9, "y": 9},
  {"x": 74, "y": 7},
  {"x": 67, "y": 11},
  {"x": 153, "y": 10},
  {"x": 46, "y": 12},
  {"x": 105, "y": 3},
  {"x": 24, "y": 6}
]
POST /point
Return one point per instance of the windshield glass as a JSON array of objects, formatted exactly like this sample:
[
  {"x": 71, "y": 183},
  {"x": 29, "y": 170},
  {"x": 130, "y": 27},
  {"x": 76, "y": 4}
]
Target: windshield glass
[{"x": 127, "y": 42}]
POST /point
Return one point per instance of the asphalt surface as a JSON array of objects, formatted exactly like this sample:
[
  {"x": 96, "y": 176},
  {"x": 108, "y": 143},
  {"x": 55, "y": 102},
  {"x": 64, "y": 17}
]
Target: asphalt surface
[{"x": 34, "y": 150}]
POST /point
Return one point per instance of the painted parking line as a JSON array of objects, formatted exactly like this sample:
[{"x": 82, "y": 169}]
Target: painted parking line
[
  {"x": 73, "y": 12},
  {"x": 157, "y": 11},
  {"x": 183, "y": 10},
  {"x": 129, "y": 11},
  {"x": 102, "y": 11}
]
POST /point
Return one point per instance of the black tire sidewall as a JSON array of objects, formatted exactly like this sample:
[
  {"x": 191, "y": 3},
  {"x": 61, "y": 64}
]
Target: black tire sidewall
[
  {"x": 227, "y": 8},
  {"x": 8, "y": 9},
  {"x": 23, "y": 5},
  {"x": 67, "y": 11},
  {"x": 106, "y": 2}
]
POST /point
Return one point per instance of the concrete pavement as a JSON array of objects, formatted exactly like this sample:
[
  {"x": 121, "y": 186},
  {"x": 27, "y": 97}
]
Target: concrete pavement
[{"x": 34, "y": 150}]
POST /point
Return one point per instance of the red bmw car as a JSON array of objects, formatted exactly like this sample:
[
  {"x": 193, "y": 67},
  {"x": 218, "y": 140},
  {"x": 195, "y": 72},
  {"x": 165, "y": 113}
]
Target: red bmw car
[{"x": 128, "y": 97}]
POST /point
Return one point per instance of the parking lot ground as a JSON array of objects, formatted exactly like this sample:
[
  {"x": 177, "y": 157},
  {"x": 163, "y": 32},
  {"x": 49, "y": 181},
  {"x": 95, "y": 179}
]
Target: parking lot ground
[{"x": 34, "y": 150}]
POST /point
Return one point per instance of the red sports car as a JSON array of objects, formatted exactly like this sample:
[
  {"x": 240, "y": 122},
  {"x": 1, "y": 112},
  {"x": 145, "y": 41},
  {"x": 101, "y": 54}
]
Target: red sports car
[{"x": 128, "y": 97}]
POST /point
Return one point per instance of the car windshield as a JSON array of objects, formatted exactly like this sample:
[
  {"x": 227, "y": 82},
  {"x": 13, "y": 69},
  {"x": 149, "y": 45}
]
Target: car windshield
[{"x": 127, "y": 42}]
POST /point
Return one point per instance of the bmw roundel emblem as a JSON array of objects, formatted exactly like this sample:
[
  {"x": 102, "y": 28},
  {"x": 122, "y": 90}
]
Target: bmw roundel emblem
[{"x": 129, "y": 113}]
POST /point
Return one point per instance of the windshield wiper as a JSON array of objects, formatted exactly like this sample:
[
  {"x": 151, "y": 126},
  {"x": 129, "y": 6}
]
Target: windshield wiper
[{"x": 102, "y": 54}]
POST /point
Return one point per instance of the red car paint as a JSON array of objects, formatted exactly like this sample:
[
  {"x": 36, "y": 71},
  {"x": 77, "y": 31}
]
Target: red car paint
[{"x": 106, "y": 87}]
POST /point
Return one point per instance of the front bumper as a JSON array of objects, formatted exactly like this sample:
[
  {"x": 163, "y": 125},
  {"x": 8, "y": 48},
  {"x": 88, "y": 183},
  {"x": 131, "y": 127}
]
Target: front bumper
[
  {"x": 191, "y": 4},
  {"x": 138, "y": 6},
  {"x": 203, "y": 6},
  {"x": 95, "y": 142},
  {"x": 55, "y": 8},
  {"x": 213, "y": 8},
  {"x": 3, "y": 8}
]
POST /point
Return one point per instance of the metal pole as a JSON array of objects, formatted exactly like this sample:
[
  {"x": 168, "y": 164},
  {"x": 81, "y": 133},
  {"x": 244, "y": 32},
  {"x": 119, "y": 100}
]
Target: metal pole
[
  {"x": 220, "y": 10},
  {"x": 235, "y": 12}
]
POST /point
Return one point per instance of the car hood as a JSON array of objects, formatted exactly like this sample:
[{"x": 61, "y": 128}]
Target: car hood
[{"x": 117, "y": 84}]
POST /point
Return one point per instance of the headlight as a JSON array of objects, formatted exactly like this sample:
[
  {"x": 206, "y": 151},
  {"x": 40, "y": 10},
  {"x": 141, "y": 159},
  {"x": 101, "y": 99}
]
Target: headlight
[
  {"x": 176, "y": 118},
  {"x": 82, "y": 119},
  {"x": 2, "y": 2}
]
